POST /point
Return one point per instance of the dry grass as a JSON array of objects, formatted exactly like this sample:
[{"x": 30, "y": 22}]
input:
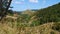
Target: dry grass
[{"x": 42, "y": 29}]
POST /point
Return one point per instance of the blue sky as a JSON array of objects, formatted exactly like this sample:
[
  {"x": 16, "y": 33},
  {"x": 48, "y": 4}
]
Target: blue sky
[{"x": 21, "y": 5}]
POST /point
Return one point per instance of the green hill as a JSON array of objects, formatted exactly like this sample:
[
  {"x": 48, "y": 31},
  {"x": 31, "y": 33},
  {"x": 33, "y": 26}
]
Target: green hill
[{"x": 49, "y": 14}]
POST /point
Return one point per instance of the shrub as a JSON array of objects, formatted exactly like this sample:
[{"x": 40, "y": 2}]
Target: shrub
[
  {"x": 35, "y": 23},
  {"x": 56, "y": 26}
]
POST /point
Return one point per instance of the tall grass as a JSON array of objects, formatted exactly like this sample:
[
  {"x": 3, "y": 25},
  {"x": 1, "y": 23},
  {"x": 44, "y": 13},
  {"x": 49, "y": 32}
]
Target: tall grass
[
  {"x": 24, "y": 28},
  {"x": 14, "y": 27}
]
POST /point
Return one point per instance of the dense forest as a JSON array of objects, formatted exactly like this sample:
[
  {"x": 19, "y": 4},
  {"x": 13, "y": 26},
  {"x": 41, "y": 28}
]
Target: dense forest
[{"x": 49, "y": 14}]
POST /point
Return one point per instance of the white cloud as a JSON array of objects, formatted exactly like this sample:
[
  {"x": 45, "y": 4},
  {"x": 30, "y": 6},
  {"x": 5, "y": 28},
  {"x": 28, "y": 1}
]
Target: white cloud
[
  {"x": 18, "y": 2},
  {"x": 33, "y": 1}
]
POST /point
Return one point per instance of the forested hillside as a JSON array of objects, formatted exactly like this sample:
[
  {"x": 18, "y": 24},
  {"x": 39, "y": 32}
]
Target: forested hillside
[{"x": 49, "y": 14}]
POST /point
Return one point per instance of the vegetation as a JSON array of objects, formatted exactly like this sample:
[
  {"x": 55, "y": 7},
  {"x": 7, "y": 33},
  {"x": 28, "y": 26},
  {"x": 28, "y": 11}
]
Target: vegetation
[
  {"x": 4, "y": 6},
  {"x": 56, "y": 26},
  {"x": 49, "y": 14},
  {"x": 43, "y": 21}
]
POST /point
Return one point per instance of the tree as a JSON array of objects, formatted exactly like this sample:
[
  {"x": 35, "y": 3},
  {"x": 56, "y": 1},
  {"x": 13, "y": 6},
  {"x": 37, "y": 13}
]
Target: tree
[{"x": 4, "y": 6}]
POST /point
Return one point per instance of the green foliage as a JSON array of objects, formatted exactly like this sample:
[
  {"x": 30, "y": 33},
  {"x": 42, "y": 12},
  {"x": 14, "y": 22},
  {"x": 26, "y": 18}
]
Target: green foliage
[
  {"x": 34, "y": 23},
  {"x": 50, "y": 14},
  {"x": 24, "y": 18}
]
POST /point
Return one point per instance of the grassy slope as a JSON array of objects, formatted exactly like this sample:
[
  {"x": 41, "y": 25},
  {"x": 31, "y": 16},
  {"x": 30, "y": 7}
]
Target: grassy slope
[{"x": 42, "y": 29}]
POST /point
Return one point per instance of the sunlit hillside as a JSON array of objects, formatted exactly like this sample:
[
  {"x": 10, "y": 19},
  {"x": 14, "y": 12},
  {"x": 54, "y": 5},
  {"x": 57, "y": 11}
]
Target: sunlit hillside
[{"x": 42, "y": 21}]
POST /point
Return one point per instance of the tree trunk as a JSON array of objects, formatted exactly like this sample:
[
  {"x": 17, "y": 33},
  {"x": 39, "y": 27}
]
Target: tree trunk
[{"x": 3, "y": 12}]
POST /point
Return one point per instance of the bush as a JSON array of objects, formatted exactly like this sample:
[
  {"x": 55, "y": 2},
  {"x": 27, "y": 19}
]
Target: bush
[
  {"x": 35, "y": 23},
  {"x": 56, "y": 26}
]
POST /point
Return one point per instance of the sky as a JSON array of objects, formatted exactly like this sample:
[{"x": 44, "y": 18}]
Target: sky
[{"x": 21, "y": 5}]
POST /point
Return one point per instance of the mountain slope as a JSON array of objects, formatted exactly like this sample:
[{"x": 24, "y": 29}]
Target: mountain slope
[{"x": 49, "y": 14}]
